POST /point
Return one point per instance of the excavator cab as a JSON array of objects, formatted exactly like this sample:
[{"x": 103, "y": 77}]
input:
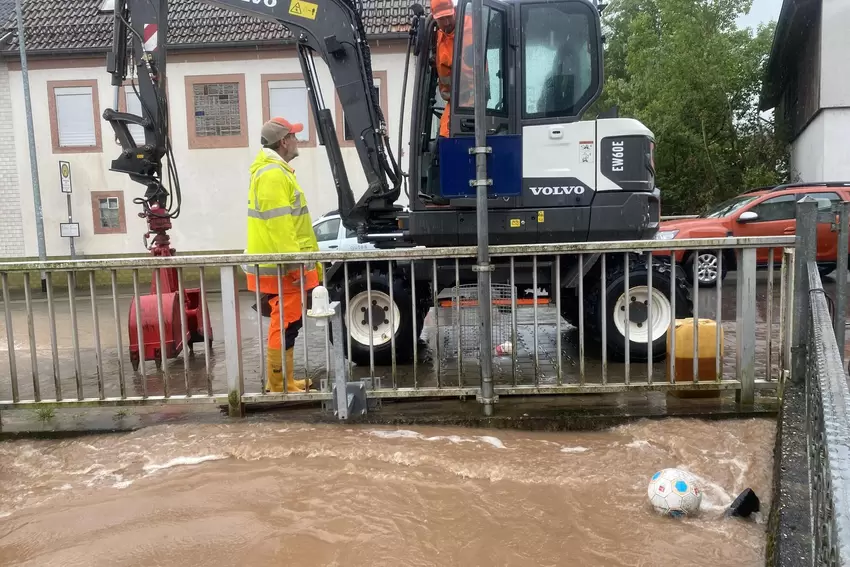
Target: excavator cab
[{"x": 543, "y": 63}]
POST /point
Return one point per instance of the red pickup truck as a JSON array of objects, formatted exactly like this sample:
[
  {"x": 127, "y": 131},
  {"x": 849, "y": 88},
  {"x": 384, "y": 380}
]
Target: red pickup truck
[{"x": 760, "y": 212}]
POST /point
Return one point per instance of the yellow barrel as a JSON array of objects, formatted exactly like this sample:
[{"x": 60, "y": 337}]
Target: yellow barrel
[{"x": 684, "y": 349}]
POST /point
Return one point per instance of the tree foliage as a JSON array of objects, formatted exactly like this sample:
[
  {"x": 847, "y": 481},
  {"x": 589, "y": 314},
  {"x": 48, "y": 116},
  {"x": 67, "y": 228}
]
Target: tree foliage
[{"x": 685, "y": 69}]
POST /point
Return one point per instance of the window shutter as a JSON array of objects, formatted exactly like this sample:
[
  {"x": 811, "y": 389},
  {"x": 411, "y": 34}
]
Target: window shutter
[
  {"x": 75, "y": 117},
  {"x": 289, "y": 100},
  {"x": 134, "y": 106}
]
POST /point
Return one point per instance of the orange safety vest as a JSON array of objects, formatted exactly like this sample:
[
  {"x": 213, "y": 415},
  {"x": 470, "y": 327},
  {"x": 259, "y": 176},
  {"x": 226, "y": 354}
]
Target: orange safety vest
[{"x": 445, "y": 47}]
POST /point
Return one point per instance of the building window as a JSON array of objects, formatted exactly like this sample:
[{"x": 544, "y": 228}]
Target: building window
[
  {"x": 344, "y": 134},
  {"x": 285, "y": 95},
  {"x": 108, "y": 212},
  {"x": 128, "y": 101},
  {"x": 216, "y": 111},
  {"x": 74, "y": 116}
]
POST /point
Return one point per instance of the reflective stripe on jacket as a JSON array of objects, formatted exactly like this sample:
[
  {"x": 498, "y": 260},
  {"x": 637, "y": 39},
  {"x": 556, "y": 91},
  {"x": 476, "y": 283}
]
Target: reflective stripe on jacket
[{"x": 279, "y": 222}]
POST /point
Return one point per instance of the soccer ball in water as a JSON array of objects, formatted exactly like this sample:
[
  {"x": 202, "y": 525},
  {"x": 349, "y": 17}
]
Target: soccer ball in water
[{"x": 674, "y": 492}]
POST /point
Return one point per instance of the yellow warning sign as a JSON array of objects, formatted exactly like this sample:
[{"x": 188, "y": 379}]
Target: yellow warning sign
[
  {"x": 303, "y": 9},
  {"x": 539, "y": 216},
  {"x": 514, "y": 223}
]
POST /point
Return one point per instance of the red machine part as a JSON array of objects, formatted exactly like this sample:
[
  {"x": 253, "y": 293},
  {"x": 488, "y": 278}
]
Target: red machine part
[{"x": 174, "y": 343}]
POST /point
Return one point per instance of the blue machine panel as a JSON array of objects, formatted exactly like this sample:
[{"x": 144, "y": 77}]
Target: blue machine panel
[{"x": 457, "y": 166}]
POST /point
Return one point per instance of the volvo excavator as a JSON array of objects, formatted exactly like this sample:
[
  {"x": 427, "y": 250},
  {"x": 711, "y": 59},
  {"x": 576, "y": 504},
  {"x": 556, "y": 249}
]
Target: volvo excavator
[{"x": 555, "y": 177}]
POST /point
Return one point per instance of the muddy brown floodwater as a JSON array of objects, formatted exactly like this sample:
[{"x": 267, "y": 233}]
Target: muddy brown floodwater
[{"x": 282, "y": 493}]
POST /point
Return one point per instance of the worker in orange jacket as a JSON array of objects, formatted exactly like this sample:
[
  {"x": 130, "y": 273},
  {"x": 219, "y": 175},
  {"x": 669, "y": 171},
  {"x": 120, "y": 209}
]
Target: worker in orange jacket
[{"x": 443, "y": 12}]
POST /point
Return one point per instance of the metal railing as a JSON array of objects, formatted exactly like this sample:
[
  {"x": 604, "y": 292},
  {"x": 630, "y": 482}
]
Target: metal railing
[
  {"x": 407, "y": 339},
  {"x": 828, "y": 432}
]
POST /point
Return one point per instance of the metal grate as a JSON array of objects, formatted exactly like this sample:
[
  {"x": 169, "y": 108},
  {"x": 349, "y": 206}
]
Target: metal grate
[
  {"x": 465, "y": 318},
  {"x": 217, "y": 109}
]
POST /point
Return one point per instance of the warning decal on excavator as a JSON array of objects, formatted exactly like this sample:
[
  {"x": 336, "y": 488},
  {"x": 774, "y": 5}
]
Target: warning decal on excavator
[
  {"x": 514, "y": 223},
  {"x": 540, "y": 216},
  {"x": 303, "y": 9}
]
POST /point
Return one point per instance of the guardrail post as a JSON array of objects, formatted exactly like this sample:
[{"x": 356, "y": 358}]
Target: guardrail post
[
  {"x": 841, "y": 277},
  {"x": 806, "y": 249},
  {"x": 232, "y": 341},
  {"x": 745, "y": 328}
]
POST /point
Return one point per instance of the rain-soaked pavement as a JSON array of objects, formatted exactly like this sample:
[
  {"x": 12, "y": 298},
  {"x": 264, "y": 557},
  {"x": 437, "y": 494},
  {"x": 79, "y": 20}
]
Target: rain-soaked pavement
[{"x": 437, "y": 362}]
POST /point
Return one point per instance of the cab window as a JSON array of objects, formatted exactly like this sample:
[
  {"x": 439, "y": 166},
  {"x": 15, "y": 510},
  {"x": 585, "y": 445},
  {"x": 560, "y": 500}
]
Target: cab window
[
  {"x": 783, "y": 207},
  {"x": 560, "y": 59},
  {"x": 327, "y": 230},
  {"x": 495, "y": 46},
  {"x": 825, "y": 200}
]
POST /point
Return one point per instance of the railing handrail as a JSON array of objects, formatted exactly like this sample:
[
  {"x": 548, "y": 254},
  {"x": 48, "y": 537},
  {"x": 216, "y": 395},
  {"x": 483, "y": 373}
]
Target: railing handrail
[
  {"x": 835, "y": 413},
  {"x": 419, "y": 253}
]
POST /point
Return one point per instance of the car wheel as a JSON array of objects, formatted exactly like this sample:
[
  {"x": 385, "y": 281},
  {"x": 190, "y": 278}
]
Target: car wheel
[{"x": 707, "y": 268}]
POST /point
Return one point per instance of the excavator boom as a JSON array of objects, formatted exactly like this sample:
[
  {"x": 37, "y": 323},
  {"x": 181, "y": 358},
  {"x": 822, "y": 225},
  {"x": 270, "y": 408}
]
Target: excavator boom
[{"x": 333, "y": 29}]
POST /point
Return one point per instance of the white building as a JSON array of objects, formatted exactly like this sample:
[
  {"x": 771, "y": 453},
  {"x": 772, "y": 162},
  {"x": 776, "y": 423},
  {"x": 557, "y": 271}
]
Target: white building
[
  {"x": 244, "y": 58},
  {"x": 808, "y": 84}
]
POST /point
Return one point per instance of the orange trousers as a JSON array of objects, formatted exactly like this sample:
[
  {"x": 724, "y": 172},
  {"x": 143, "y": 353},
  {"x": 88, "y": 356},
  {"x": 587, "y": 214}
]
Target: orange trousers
[{"x": 292, "y": 321}]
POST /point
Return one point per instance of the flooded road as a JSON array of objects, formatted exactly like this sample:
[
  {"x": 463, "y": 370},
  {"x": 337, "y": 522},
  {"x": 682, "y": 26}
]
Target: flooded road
[{"x": 280, "y": 493}]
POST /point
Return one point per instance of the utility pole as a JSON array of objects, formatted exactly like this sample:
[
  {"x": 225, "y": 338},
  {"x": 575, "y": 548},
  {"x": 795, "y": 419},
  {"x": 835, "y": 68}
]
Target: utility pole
[
  {"x": 481, "y": 182},
  {"x": 36, "y": 190}
]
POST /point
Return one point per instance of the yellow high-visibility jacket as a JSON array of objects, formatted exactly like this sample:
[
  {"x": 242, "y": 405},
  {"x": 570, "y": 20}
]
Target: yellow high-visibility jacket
[{"x": 279, "y": 222}]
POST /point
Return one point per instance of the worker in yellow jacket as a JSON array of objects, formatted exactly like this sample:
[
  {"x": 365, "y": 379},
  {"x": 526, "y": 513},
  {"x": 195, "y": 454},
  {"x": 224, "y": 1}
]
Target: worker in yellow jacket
[{"x": 278, "y": 223}]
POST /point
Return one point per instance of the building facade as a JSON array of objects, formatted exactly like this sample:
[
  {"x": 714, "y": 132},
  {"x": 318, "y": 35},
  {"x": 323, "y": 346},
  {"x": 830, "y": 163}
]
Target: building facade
[
  {"x": 222, "y": 84},
  {"x": 808, "y": 86}
]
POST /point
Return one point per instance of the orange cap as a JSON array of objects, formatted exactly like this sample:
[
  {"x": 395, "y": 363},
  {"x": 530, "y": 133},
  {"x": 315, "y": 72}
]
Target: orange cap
[
  {"x": 442, "y": 8},
  {"x": 277, "y": 129}
]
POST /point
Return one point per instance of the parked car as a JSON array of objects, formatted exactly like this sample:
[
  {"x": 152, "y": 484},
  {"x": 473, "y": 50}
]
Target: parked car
[
  {"x": 332, "y": 235},
  {"x": 760, "y": 212}
]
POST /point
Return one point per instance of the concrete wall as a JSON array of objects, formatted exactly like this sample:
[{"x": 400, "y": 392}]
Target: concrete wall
[
  {"x": 213, "y": 181},
  {"x": 807, "y": 152},
  {"x": 11, "y": 228}
]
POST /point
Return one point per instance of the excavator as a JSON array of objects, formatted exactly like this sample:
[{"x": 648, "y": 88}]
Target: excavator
[{"x": 555, "y": 177}]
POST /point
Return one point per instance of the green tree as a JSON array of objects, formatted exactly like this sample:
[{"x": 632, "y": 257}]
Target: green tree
[{"x": 685, "y": 69}]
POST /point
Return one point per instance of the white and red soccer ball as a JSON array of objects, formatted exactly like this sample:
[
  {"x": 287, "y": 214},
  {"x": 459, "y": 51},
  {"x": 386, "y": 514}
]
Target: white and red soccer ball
[{"x": 674, "y": 492}]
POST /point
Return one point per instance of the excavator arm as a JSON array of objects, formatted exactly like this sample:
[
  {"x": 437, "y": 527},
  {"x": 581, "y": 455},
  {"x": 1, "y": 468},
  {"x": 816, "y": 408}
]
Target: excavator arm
[{"x": 333, "y": 29}]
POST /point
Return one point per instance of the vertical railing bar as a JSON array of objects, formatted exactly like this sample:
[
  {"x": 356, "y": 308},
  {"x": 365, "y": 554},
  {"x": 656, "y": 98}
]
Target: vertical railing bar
[
  {"x": 36, "y": 387},
  {"x": 349, "y": 318},
  {"x": 650, "y": 325},
  {"x": 140, "y": 334},
  {"x": 394, "y": 366},
  {"x": 204, "y": 324},
  {"x": 10, "y": 338},
  {"x": 671, "y": 355},
  {"x": 627, "y": 322},
  {"x": 327, "y": 335},
  {"x": 558, "y": 318},
  {"x": 282, "y": 321},
  {"x": 54, "y": 342},
  {"x": 184, "y": 329},
  {"x": 768, "y": 368},
  {"x": 696, "y": 318},
  {"x": 582, "y": 374},
  {"x": 116, "y": 314},
  {"x": 98, "y": 352},
  {"x": 536, "y": 342},
  {"x": 459, "y": 329},
  {"x": 75, "y": 339},
  {"x": 303, "y": 280},
  {"x": 719, "y": 329},
  {"x": 260, "y": 346},
  {"x": 513, "y": 323},
  {"x": 163, "y": 358},
  {"x": 415, "y": 325},
  {"x": 604, "y": 327},
  {"x": 439, "y": 359},
  {"x": 369, "y": 320}
]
